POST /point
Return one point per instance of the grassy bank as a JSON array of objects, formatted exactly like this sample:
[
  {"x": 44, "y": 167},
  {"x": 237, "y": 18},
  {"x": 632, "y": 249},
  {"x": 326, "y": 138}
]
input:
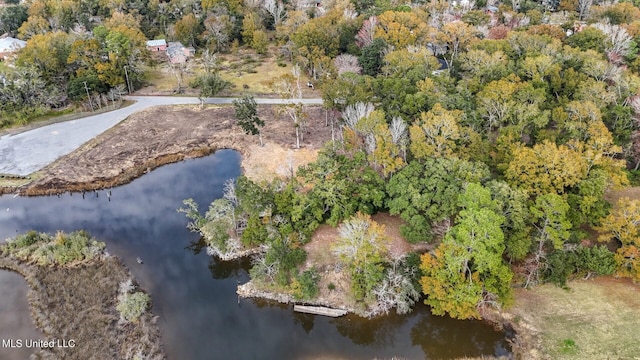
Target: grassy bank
[{"x": 592, "y": 319}]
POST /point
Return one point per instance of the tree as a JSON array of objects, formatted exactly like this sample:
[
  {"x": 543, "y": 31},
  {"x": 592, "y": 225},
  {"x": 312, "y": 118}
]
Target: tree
[
  {"x": 497, "y": 102},
  {"x": 399, "y": 29},
  {"x": 317, "y": 41},
  {"x": 347, "y": 63},
  {"x": 48, "y": 53},
  {"x": 366, "y": 33},
  {"x": 623, "y": 226},
  {"x": 276, "y": 9},
  {"x": 435, "y": 133},
  {"x": 289, "y": 88},
  {"x": 210, "y": 84},
  {"x": 12, "y": 17},
  {"x": 456, "y": 37},
  {"x": 361, "y": 246},
  {"x": 545, "y": 168},
  {"x": 619, "y": 43},
  {"x": 512, "y": 204},
  {"x": 246, "y": 112},
  {"x": 396, "y": 289},
  {"x": 219, "y": 27},
  {"x": 371, "y": 57},
  {"x": 260, "y": 42},
  {"x": 187, "y": 29},
  {"x": 414, "y": 63},
  {"x": 386, "y": 153},
  {"x": 583, "y": 8},
  {"x": 549, "y": 214},
  {"x": 340, "y": 187},
  {"x": 250, "y": 24},
  {"x": 467, "y": 272},
  {"x": 424, "y": 193}
]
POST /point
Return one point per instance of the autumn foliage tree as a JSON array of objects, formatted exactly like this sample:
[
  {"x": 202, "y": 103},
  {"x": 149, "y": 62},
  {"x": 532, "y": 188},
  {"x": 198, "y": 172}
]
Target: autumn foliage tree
[
  {"x": 623, "y": 226},
  {"x": 467, "y": 270},
  {"x": 545, "y": 168}
]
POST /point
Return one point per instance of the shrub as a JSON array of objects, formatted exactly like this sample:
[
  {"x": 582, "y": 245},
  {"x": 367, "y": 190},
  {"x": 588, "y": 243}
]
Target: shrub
[
  {"x": 562, "y": 264},
  {"x": 305, "y": 286},
  {"x": 132, "y": 305},
  {"x": 63, "y": 249}
]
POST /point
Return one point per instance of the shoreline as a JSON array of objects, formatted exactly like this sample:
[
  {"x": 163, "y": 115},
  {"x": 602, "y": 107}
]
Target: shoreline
[
  {"x": 140, "y": 144},
  {"x": 143, "y": 161}
]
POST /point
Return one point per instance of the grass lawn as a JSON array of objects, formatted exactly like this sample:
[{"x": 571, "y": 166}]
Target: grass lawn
[{"x": 593, "y": 319}]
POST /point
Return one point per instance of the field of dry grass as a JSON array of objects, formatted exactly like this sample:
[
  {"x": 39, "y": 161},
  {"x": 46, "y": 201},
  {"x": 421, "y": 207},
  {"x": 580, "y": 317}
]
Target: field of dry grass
[
  {"x": 248, "y": 72},
  {"x": 593, "y": 319}
]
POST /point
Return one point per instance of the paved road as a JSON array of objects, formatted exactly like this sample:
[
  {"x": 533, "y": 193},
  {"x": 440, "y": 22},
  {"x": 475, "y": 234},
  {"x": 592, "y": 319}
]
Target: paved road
[{"x": 24, "y": 153}]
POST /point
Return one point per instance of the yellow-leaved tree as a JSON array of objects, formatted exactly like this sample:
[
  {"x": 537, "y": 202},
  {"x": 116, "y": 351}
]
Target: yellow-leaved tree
[
  {"x": 545, "y": 168},
  {"x": 435, "y": 133},
  {"x": 623, "y": 225}
]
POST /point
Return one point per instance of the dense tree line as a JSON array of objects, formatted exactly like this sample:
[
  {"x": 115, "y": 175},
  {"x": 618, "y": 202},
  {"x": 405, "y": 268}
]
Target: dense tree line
[
  {"x": 501, "y": 160},
  {"x": 501, "y": 157}
]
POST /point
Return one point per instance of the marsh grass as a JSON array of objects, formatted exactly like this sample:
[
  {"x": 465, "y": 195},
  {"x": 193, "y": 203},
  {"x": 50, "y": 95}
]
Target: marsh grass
[{"x": 78, "y": 302}]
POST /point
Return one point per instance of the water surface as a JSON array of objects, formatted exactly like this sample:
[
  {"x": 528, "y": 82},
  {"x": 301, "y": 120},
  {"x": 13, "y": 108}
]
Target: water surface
[{"x": 194, "y": 296}]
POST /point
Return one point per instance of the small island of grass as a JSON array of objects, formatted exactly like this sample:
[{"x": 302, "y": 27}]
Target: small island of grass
[{"x": 79, "y": 292}]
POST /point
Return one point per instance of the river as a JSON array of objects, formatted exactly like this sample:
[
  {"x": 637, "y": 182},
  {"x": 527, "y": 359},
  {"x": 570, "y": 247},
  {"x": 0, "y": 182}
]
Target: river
[{"x": 194, "y": 296}]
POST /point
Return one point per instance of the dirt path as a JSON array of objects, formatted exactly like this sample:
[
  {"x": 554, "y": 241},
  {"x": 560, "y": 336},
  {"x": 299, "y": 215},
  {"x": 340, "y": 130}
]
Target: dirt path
[{"x": 162, "y": 135}]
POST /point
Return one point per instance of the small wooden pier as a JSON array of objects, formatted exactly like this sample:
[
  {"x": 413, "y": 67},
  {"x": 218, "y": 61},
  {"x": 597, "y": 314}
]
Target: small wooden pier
[{"x": 319, "y": 310}]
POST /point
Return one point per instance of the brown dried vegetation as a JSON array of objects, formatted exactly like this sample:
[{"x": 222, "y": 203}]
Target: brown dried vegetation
[{"x": 163, "y": 135}]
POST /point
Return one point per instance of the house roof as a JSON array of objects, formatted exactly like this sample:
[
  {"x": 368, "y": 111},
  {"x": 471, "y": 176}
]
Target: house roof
[
  {"x": 160, "y": 42},
  {"x": 11, "y": 44}
]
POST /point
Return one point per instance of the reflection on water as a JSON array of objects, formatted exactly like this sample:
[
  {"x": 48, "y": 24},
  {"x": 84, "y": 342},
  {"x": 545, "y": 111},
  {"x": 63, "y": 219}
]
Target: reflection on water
[
  {"x": 15, "y": 318},
  {"x": 194, "y": 296}
]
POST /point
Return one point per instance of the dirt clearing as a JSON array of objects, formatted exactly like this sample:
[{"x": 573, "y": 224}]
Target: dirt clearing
[
  {"x": 163, "y": 135},
  {"x": 334, "y": 285}
]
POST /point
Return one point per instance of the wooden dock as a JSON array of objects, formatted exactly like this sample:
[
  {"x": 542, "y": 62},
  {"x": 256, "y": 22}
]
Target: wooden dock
[{"x": 319, "y": 310}]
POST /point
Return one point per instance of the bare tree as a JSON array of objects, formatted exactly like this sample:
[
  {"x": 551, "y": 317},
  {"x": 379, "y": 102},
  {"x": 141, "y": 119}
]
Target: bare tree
[
  {"x": 396, "y": 290},
  {"x": 347, "y": 63},
  {"x": 276, "y": 9},
  {"x": 352, "y": 114},
  {"x": 219, "y": 26},
  {"x": 619, "y": 41},
  {"x": 289, "y": 88},
  {"x": 399, "y": 135},
  {"x": 583, "y": 8},
  {"x": 368, "y": 29}
]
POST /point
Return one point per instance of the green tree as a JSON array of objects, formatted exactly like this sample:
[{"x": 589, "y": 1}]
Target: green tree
[
  {"x": 371, "y": 57},
  {"x": 246, "y": 112},
  {"x": 549, "y": 215},
  {"x": 467, "y": 271},
  {"x": 12, "y": 17},
  {"x": 423, "y": 193},
  {"x": 341, "y": 186}
]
